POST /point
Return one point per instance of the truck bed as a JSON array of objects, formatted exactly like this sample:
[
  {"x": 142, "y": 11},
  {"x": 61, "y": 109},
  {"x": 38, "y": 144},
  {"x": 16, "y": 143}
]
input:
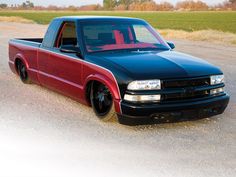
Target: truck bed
[
  {"x": 30, "y": 42},
  {"x": 37, "y": 40},
  {"x": 27, "y": 47}
]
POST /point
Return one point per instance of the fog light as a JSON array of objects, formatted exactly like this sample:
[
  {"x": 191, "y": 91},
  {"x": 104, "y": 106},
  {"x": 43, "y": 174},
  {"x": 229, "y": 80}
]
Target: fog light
[
  {"x": 216, "y": 91},
  {"x": 142, "y": 98}
]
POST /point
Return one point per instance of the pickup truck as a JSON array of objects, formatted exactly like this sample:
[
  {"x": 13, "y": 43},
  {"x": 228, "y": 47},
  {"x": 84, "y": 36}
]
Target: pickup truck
[{"x": 122, "y": 68}]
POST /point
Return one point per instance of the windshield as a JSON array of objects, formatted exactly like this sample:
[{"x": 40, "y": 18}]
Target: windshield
[{"x": 110, "y": 36}]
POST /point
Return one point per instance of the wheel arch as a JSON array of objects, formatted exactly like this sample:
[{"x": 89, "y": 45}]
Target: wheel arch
[
  {"x": 111, "y": 85},
  {"x": 20, "y": 57}
]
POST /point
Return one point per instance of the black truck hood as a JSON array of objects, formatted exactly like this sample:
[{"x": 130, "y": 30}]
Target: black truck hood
[{"x": 158, "y": 65}]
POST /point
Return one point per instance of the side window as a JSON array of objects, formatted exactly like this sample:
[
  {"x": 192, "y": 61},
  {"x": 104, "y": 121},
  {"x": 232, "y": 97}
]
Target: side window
[
  {"x": 67, "y": 35},
  {"x": 143, "y": 35}
]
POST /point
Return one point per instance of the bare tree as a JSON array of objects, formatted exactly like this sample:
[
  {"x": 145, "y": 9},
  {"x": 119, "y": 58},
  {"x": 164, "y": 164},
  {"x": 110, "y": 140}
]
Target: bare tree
[
  {"x": 165, "y": 6},
  {"x": 232, "y": 1},
  {"x": 192, "y": 5},
  {"x": 3, "y": 6}
]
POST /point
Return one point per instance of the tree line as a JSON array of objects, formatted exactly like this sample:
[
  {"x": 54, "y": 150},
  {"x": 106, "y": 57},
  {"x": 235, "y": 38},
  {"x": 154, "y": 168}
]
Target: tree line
[
  {"x": 150, "y": 5},
  {"x": 131, "y": 5}
]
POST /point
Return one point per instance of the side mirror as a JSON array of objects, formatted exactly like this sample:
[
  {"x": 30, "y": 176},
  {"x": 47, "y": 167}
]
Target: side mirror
[
  {"x": 171, "y": 44},
  {"x": 71, "y": 49}
]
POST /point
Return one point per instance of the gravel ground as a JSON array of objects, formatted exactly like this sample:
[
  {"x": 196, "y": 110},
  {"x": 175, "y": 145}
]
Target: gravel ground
[{"x": 43, "y": 133}]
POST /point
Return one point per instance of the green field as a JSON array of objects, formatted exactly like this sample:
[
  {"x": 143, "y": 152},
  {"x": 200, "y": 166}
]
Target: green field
[{"x": 188, "y": 21}]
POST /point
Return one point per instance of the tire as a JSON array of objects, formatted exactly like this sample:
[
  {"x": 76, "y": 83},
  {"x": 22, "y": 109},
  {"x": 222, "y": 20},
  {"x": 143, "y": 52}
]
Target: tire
[
  {"x": 102, "y": 102},
  {"x": 22, "y": 72}
]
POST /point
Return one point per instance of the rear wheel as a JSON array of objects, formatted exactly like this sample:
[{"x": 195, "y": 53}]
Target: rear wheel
[
  {"x": 22, "y": 71},
  {"x": 102, "y": 102}
]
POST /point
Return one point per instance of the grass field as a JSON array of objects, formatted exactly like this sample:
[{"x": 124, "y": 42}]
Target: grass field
[{"x": 187, "y": 21}]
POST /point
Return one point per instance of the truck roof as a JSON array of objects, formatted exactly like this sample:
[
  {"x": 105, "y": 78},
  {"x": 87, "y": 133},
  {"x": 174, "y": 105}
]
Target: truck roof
[{"x": 82, "y": 17}]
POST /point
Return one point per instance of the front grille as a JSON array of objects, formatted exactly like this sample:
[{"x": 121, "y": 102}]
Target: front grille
[
  {"x": 186, "y": 83},
  {"x": 185, "y": 96},
  {"x": 187, "y": 89}
]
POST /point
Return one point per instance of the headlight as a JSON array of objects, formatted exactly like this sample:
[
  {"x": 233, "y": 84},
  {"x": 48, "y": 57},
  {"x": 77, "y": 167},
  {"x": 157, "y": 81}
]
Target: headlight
[
  {"x": 145, "y": 85},
  {"x": 142, "y": 98},
  {"x": 217, "y": 79}
]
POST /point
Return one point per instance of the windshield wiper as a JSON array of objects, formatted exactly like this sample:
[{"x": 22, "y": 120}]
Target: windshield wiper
[
  {"x": 150, "y": 49},
  {"x": 116, "y": 50},
  {"x": 131, "y": 50}
]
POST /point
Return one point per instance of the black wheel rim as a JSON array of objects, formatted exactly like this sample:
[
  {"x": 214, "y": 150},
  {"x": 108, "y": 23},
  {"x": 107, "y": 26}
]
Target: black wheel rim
[
  {"x": 102, "y": 100},
  {"x": 22, "y": 72}
]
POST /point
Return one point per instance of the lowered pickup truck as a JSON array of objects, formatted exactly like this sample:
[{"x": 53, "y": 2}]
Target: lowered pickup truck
[{"x": 121, "y": 67}]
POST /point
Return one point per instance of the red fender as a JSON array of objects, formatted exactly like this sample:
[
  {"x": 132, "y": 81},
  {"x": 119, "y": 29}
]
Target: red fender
[
  {"x": 112, "y": 86},
  {"x": 22, "y": 58}
]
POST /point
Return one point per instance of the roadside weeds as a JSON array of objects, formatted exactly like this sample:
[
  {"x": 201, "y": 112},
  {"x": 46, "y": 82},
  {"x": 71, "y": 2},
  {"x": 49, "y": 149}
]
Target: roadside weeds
[
  {"x": 214, "y": 36},
  {"x": 15, "y": 19}
]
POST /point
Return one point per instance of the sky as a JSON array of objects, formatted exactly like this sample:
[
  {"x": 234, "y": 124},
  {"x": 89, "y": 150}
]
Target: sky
[{"x": 84, "y": 2}]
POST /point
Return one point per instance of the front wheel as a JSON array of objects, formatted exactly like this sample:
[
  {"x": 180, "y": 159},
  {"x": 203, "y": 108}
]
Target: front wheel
[{"x": 102, "y": 102}]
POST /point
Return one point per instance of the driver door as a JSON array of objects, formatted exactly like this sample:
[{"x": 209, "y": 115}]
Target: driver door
[{"x": 63, "y": 70}]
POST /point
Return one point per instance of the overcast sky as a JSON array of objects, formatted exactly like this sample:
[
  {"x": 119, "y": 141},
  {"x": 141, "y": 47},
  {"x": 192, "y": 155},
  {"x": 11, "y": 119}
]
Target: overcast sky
[{"x": 83, "y": 2}]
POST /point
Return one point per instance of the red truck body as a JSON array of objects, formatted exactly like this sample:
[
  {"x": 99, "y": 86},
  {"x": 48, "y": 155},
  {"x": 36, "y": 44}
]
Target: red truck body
[{"x": 60, "y": 72}]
